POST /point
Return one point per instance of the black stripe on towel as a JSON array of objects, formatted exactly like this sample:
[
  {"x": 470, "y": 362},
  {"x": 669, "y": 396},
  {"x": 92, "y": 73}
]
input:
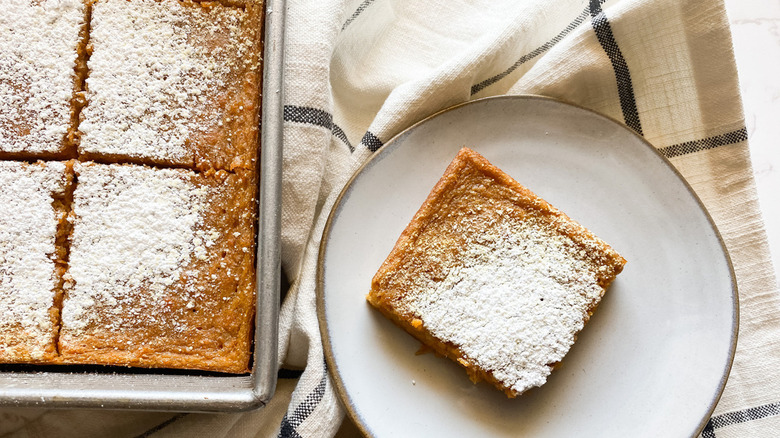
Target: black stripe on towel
[
  {"x": 307, "y": 115},
  {"x": 690, "y": 147},
  {"x": 161, "y": 426},
  {"x": 371, "y": 141},
  {"x": 285, "y": 373},
  {"x": 291, "y": 421},
  {"x": 533, "y": 54},
  {"x": 623, "y": 76},
  {"x": 358, "y": 11},
  {"x": 743, "y": 416},
  {"x": 316, "y": 117},
  {"x": 342, "y": 136}
]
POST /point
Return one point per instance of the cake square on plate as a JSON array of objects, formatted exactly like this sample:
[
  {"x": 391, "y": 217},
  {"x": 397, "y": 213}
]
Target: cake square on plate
[
  {"x": 39, "y": 46},
  {"x": 33, "y": 230},
  {"x": 173, "y": 83},
  {"x": 161, "y": 268},
  {"x": 494, "y": 277}
]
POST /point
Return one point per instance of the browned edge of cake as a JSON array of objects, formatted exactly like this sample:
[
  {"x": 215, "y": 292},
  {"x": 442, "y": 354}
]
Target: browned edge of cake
[
  {"x": 62, "y": 206},
  {"x": 384, "y": 301},
  {"x": 244, "y": 109}
]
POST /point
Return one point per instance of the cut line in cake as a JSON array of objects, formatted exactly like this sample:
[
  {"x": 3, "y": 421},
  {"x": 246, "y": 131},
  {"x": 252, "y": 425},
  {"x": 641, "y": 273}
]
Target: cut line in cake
[{"x": 33, "y": 227}]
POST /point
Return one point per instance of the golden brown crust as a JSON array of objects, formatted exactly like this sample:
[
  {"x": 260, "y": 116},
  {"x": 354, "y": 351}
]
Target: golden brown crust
[
  {"x": 235, "y": 144},
  {"x": 469, "y": 164},
  {"x": 471, "y": 190},
  {"x": 81, "y": 71},
  {"x": 62, "y": 206}
]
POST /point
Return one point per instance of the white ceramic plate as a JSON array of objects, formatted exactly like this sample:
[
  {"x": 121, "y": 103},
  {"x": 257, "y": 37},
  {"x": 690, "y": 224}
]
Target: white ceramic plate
[{"x": 655, "y": 356}]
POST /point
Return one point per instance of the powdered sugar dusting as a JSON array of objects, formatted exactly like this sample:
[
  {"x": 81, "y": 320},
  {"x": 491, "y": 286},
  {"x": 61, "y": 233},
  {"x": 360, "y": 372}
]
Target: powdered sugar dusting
[
  {"x": 515, "y": 302},
  {"x": 135, "y": 231},
  {"x": 156, "y": 70},
  {"x": 28, "y": 230},
  {"x": 38, "y": 41}
]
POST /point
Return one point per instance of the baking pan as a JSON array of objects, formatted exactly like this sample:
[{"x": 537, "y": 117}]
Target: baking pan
[{"x": 181, "y": 390}]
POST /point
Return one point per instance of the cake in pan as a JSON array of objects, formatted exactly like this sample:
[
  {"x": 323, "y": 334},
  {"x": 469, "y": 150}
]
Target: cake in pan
[
  {"x": 133, "y": 242},
  {"x": 33, "y": 230},
  {"x": 493, "y": 277}
]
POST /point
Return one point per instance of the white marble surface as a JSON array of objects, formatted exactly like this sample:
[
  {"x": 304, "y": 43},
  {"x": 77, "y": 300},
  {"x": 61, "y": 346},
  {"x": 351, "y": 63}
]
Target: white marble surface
[{"x": 755, "y": 27}]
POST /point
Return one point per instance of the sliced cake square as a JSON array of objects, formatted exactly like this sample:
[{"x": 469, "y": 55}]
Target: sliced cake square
[
  {"x": 40, "y": 42},
  {"x": 161, "y": 268},
  {"x": 33, "y": 230},
  {"x": 174, "y": 83},
  {"x": 493, "y": 277}
]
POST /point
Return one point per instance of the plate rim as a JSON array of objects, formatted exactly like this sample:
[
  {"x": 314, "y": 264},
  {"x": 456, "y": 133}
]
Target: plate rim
[{"x": 332, "y": 366}]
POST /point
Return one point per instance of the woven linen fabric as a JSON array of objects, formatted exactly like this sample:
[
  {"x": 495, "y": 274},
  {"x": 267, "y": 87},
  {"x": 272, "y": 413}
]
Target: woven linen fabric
[{"x": 358, "y": 72}]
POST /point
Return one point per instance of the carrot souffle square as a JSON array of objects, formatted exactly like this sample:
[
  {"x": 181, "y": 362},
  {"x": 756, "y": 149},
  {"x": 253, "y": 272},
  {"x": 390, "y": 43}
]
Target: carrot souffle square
[
  {"x": 40, "y": 42},
  {"x": 174, "y": 83},
  {"x": 161, "y": 268},
  {"x": 493, "y": 277}
]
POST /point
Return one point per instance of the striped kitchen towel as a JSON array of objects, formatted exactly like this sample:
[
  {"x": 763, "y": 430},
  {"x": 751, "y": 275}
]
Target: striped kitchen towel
[{"x": 360, "y": 71}]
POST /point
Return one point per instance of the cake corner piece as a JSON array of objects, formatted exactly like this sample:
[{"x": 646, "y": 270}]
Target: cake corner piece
[
  {"x": 493, "y": 277},
  {"x": 162, "y": 269},
  {"x": 174, "y": 83}
]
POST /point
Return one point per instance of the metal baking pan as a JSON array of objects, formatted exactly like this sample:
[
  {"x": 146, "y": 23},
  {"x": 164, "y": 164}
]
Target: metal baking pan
[{"x": 180, "y": 390}]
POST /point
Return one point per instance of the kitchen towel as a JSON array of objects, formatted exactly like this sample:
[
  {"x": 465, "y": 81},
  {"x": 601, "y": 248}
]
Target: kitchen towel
[{"x": 360, "y": 71}]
